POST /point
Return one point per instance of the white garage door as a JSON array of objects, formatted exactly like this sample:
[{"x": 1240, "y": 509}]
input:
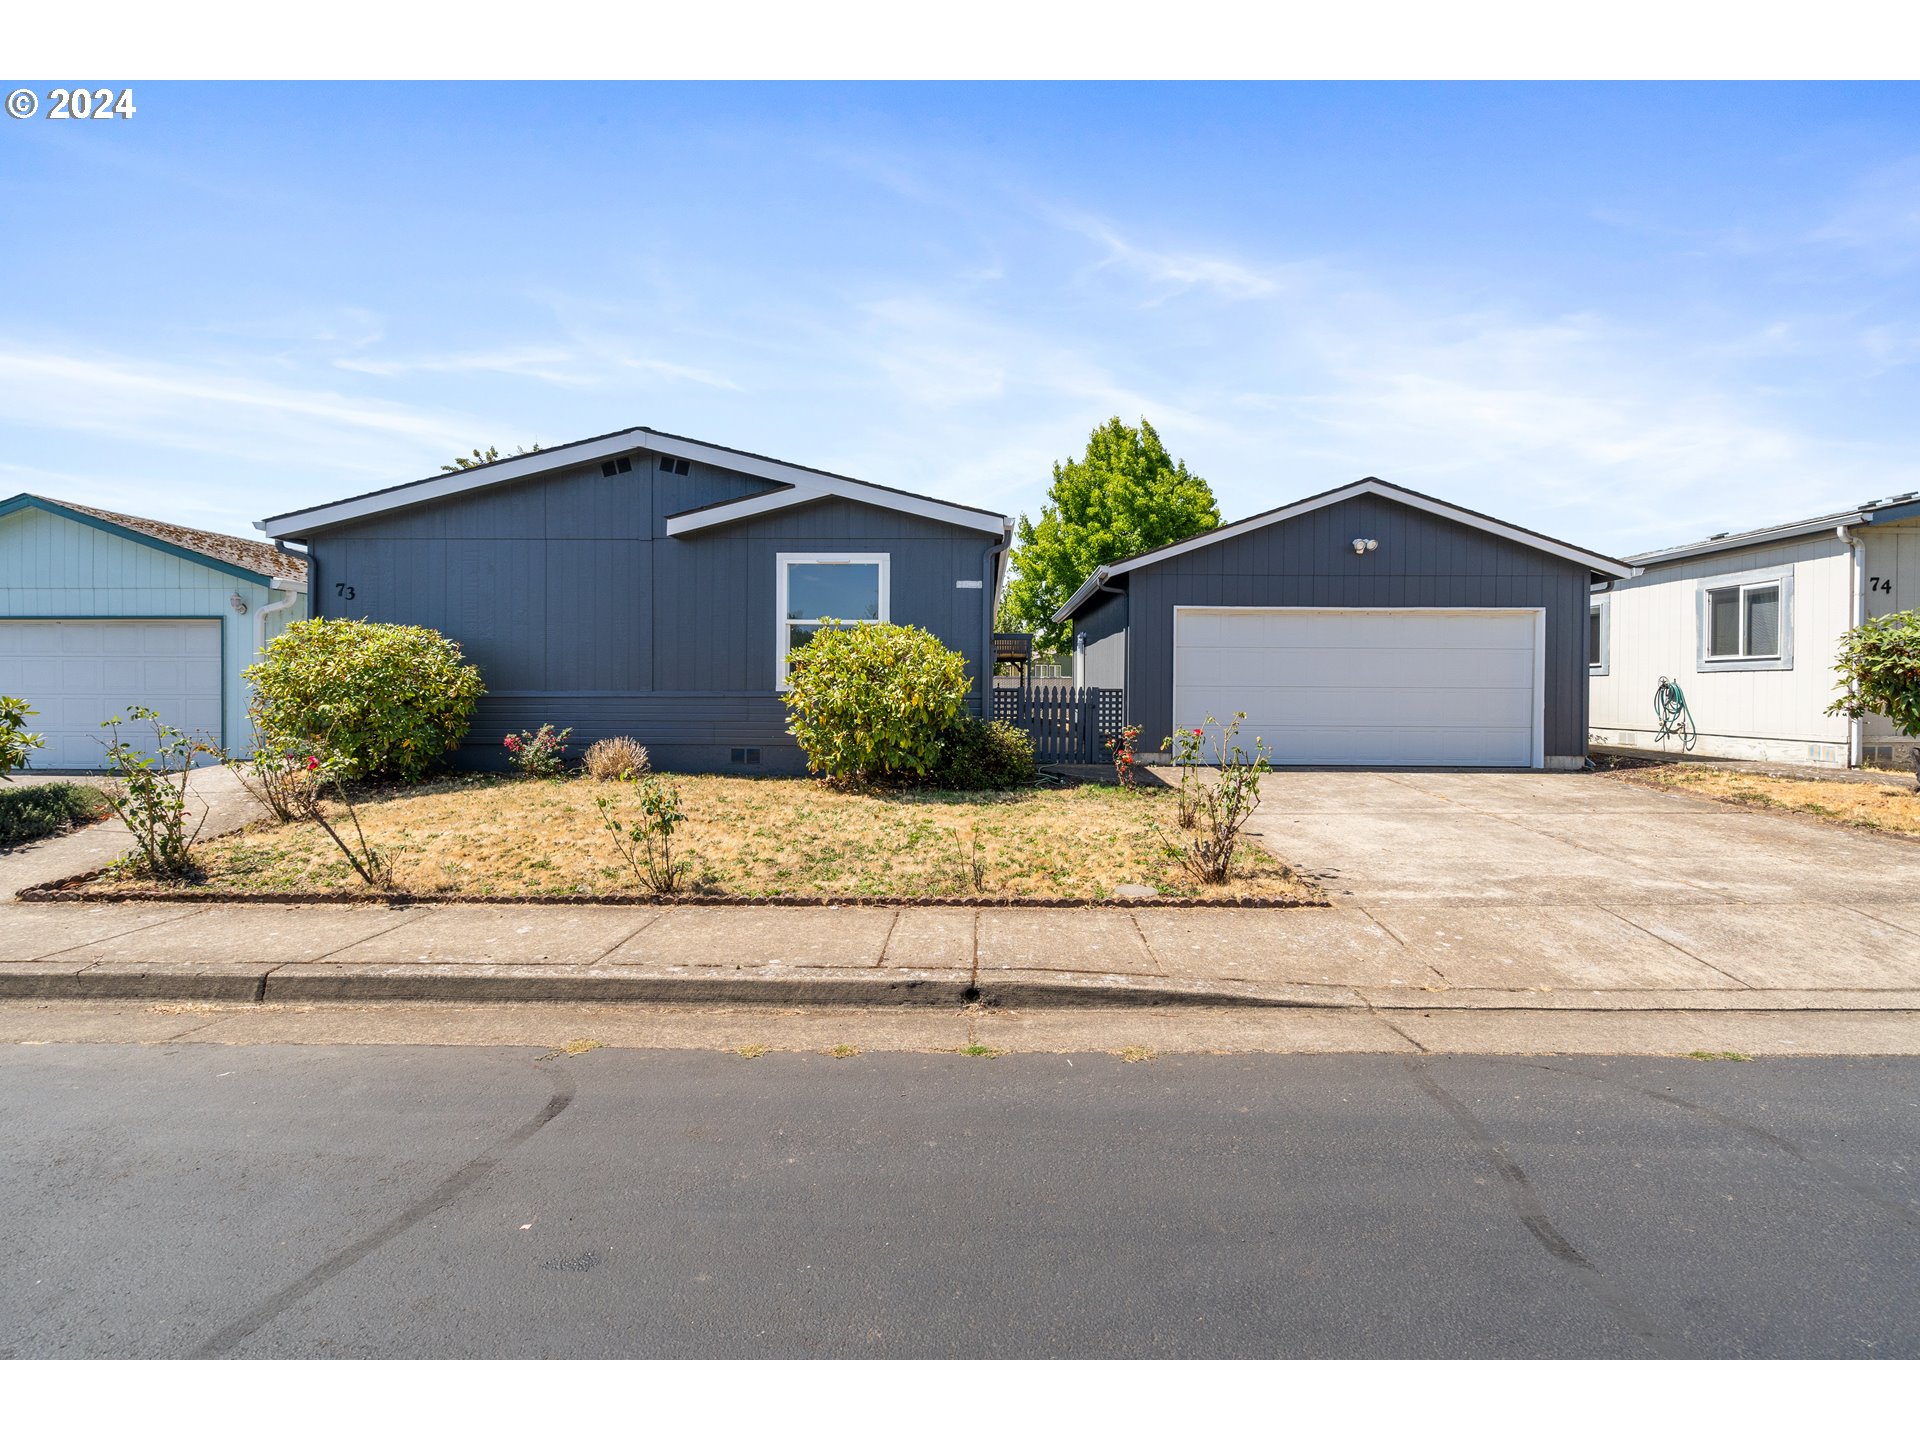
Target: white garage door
[
  {"x": 78, "y": 672},
  {"x": 1365, "y": 687}
]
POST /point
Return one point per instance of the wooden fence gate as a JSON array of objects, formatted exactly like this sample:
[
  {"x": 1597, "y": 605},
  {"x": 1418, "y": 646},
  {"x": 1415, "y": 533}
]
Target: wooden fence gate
[{"x": 1069, "y": 725}]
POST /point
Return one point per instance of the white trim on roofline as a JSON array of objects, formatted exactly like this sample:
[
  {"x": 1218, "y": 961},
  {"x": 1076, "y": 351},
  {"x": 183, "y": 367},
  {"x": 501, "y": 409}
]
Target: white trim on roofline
[
  {"x": 1603, "y": 564},
  {"x": 805, "y": 485},
  {"x": 818, "y": 487}
]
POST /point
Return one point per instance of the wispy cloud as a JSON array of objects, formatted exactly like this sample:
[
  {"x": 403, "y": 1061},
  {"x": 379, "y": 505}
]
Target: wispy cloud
[
  {"x": 574, "y": 368},
  {"x": 1171, "y": 272},
  {"x": 215, "y": 411}
]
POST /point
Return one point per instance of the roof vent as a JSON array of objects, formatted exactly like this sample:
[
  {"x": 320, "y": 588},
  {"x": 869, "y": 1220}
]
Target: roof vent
[
  {"x": 1719, "y": 535},
  {"x": 672, "y": 466},
  {"x": 617, "y": 467}
]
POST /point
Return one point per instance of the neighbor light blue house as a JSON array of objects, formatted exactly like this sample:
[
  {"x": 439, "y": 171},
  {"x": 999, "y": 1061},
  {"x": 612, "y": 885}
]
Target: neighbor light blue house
[{"x": 100, "y": 611}]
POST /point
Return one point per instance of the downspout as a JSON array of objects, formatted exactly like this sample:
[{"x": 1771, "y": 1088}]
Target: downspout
[
  {"x": 1856, "y": 728},
  {"x": 990, "y": 581},
  {"x": 292, "y": 591}
]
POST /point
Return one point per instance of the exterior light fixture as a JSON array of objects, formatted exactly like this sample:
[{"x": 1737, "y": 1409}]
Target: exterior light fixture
[
  {"x": 1361, "y": 547},
  {"x": 239, "y": 604}
]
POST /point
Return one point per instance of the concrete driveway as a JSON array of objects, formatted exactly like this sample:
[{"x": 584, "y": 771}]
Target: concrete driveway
[
  {"x": 215, "y": 790},
  {"x": 1585, "y": 881}
]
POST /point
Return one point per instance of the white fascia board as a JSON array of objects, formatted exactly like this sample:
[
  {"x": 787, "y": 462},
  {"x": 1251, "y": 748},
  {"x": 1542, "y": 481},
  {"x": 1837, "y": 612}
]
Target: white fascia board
[
  {"x": 1080, "y": 596},
  {"x": 460, "y": 482},
  {"x": 806, "y": 487},
  {"x": 734, "y": 510},
  {"x": 1600, "y": 563}
]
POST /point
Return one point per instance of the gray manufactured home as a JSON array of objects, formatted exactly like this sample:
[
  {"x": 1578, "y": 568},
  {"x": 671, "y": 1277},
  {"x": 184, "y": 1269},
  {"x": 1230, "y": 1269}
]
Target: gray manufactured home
[
  {"x": 649, "y": 585},
  {"x": 1369, "y": 625}
]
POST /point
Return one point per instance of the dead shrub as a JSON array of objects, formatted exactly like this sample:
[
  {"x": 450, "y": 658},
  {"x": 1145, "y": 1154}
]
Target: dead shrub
[{"x": 618, "y": 757}]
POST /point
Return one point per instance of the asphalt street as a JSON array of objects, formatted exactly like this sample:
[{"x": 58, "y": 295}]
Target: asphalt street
[{"x": 270, "y": 1200}]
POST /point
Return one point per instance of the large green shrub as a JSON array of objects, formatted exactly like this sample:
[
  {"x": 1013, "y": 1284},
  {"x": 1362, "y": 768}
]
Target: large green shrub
[
  {"x": 383, "y": 701},
  {"x": 985, "y": 755},
  {"x": 874, "y": 701},
  {"x": 1879, "y": 664}
]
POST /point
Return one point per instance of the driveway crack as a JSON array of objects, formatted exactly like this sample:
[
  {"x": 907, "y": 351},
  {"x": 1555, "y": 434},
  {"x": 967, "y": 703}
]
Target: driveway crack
[{"x": 1674, "y": 944}]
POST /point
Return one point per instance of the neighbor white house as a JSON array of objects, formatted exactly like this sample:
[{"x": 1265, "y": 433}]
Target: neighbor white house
[{"x": 1748, "y": 625}]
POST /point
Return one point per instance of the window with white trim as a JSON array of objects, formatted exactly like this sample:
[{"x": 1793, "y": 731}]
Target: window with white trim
[
  {"x": 1746, "y": 621},
  {"x": 1599, "y": 614},
  {"x": 815, "y": 589}
]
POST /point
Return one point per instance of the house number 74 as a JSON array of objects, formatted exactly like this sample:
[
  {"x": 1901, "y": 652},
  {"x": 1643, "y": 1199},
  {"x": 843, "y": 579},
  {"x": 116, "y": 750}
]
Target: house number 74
[{"x": 1881, "y": 584}]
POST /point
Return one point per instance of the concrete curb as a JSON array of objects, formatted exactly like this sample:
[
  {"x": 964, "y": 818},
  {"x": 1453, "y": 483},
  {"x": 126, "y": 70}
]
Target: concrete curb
[
  {"x": 308, "y": 982},
  {"x": 302, "y": 982}
]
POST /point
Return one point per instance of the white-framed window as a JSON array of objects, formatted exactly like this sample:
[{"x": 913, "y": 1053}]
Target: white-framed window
[
  {"x": 1746, "y": 621},
  {"x": 1599, "y": 623},
  {"x": 812, "y": 589}
]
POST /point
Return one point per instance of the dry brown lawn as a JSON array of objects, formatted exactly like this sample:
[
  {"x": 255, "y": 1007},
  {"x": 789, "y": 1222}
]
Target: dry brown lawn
[
  {"x": 1893, "y": 806},
  {"x": 748, "y": 837}
]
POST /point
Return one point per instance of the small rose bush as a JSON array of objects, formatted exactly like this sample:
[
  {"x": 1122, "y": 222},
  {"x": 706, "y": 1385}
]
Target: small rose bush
[
  {"x": 1222, "y": 807},
  {"x": 1123, "y": 747},
  {"x": 17, "y": 743},
  {"x": 539, "y": 754}
]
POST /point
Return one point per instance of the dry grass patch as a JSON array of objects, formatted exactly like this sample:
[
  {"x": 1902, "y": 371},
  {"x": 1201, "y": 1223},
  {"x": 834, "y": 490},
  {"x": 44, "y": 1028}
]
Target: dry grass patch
[
  {"x": 476, "y": 835},
  {"x": 1893, "y": 807}
]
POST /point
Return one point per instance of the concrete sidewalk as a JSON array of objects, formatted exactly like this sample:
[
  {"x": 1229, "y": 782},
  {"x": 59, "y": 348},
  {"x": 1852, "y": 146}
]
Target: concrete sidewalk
[{"x": 1727, "y": 956}]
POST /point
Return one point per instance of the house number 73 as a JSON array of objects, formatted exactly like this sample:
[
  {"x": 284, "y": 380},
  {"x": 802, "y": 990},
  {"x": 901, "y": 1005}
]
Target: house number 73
[{"x": 344, "y": 591}]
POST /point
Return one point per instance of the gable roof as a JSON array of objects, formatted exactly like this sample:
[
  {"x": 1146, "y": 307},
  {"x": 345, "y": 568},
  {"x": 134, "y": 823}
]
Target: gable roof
[
  {"x": 797, "y": 485},
  {"x": 1532, "y": 539},
  {"x": 245, "y": 559},
  {"x": 1871, "y": 512}
]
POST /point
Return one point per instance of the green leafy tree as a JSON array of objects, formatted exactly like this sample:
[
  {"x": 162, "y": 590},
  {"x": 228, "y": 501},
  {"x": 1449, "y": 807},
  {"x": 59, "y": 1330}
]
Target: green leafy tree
[
  {"x": 1125, "y": 495},
  {"x": 1879, "y": 664},
  {"x": 468, "y": 462}
]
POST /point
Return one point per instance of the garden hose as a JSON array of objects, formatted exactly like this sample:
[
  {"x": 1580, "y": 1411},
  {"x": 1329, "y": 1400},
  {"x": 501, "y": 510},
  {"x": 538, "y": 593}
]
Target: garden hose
[{"x": 1670, "y": 708}]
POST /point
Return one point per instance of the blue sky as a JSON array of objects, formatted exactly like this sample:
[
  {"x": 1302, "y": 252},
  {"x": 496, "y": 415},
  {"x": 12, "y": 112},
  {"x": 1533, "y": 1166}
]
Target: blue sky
[{"x": 1625, "y": 315}]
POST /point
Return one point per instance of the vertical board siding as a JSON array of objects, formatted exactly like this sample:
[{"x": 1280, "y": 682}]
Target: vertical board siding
[
  {"x": 54, "y": 567},
  {"x": 579, "y": 609},
  {"x": 1653, "y": 633},
  {"x": 1104, "y": 625},
  {"x": 1893, "y": 556},
  {"x": 1422, "y": 560}
]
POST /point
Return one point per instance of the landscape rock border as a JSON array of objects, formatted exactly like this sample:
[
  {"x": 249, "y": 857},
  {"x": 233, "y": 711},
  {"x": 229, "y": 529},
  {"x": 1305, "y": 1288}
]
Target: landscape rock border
[{"x": 69, "y": 890}]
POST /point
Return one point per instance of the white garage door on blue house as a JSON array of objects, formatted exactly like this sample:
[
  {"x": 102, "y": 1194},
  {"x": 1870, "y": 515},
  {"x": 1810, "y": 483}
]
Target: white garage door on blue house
[
  {"x": 101, "y": 611},
  {"x": 76, "y": 673}
]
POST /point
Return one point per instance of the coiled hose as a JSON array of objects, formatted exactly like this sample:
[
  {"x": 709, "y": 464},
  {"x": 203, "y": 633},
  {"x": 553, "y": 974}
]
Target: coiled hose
[{"x": 1670, "y": 708}]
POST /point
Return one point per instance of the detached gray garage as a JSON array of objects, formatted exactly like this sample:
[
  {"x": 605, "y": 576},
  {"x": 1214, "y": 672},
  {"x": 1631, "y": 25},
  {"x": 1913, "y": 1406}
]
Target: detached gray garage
[{"x": 1370, "y": 625}]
